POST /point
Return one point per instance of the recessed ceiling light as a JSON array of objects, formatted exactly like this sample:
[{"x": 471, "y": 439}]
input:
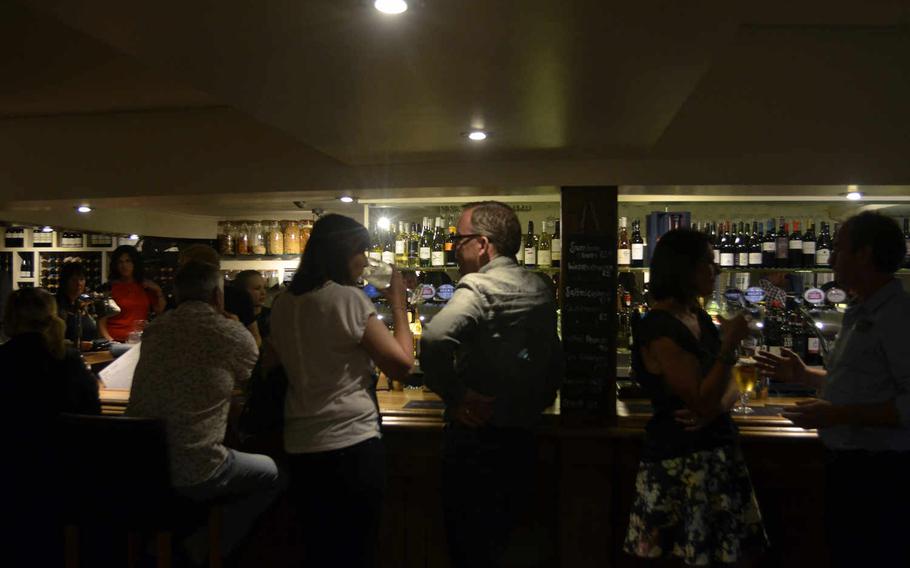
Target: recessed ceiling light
[
  {"x": 854, "y": 195},
  {"x": 47, "y": 229},
  {"x": 346, "y": 199},
  {"x": 134, "y": 237},
  {"x": 391, "y": 6},
  {"x": 84, "y": 209},
  {"x": 477, "y": 135}
]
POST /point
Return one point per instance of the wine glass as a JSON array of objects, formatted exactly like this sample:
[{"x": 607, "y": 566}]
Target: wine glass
[{"x": 378, "y": 274}]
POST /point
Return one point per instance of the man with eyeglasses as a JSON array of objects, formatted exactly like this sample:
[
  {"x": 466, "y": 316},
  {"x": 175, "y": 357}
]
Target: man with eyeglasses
[
  {"x": 863, "y": 410},
  {"x": 493, "y": 356}
]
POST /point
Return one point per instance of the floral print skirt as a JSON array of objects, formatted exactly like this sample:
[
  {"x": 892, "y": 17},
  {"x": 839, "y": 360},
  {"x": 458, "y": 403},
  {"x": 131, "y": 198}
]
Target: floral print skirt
[{"x": 699, "y": 507}]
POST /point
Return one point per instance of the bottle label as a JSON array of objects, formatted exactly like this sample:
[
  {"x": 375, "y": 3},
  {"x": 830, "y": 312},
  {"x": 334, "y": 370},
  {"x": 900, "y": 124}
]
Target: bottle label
[
  {"x": 726, "y": 259},
  {"x": 716, "y": 256},
  {"x": 556, "y": 249},
  {"x": 743, "y": 259},
  {"x": 400, "y": 247},
  {"x": 788, "y": 341},
  {"x": 437, "y": 258},
  {"x": 813, "y": 345},
  {"x": 388, "y": 257},
  {"x": 796, "y": 245},
  {"x": 808, "y": 247},
  {"x": 822, "y": 257},
  {"x": 781, "y": 249},
  {"x": 767, "y": 246},
  {"x": 544, "y": 258},
  {"x": 424, "y": 253},
  {"x": 754, "y": 259},
  {"x": 624, "y": 257},
  {"x": 638, "y": 251},
  {"x": 376, "y": 255},
  {"x": 530, "y": 255}
]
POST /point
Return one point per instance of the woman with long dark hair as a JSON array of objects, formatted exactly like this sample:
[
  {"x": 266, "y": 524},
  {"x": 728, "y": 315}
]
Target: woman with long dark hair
[
  {"x": 328, "y": 337},
  {"x": 71, "y": 307},
  {"x": 694, "y": 500},
  {"x": 135, "y": 295}
]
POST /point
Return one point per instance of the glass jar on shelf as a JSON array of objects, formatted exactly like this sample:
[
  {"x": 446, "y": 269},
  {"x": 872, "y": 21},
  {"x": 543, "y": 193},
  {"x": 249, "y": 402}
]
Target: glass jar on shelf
[
  {"x": 305, "y": 229},
  {"x": 276, "y": 238},
  {"x": 242, "y": 239},
  {"x": 291, "y": 237},
  {"x": 257, "y": 239},
  {"x": 226, "y": 238}
]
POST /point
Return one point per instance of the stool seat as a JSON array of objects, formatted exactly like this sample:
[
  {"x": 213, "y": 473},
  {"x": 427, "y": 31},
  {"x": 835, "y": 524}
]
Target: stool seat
[{"x": 117, "y": 475}]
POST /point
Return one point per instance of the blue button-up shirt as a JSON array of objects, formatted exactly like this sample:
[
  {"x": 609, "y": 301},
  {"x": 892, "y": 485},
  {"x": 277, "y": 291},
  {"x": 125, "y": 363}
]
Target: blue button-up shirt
[
  {"x": 496, "y": 336},
  {"x": 870, "y": 364}
]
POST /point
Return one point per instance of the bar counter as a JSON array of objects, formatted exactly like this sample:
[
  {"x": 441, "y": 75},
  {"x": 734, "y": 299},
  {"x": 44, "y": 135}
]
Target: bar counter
[{"x": 585, "y": 481}]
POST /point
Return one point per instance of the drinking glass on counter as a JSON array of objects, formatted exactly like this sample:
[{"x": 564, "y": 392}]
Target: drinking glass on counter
[{"x": 745, "y": 373}]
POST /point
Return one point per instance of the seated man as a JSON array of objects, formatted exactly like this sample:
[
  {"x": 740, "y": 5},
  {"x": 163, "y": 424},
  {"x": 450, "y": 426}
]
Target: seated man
[{"x": 191, "y": 359}]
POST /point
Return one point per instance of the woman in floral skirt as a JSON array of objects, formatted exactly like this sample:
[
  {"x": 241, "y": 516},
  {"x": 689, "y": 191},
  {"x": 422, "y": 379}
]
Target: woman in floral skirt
[{"x": 694, "y": 499}]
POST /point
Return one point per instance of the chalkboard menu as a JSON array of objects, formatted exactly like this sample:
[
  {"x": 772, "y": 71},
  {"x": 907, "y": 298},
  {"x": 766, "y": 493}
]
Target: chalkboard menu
[{"x": 589, "y": 325}]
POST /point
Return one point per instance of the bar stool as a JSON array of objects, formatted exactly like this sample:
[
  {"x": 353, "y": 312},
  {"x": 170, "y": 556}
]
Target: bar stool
[{"x": 115, "y": 474}]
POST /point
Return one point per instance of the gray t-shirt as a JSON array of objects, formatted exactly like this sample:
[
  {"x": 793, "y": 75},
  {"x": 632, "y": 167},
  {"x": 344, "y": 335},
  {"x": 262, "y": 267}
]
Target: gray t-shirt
[{"x": 329, "y": 403}]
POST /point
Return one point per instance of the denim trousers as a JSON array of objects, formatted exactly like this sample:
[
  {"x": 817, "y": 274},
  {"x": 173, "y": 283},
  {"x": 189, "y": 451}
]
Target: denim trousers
[{"x": 248, "y": 484}]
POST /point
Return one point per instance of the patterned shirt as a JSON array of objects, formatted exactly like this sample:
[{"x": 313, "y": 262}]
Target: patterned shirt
[
  {"x": 870, "y": 364},
  {"x": 190, "y": 360}
]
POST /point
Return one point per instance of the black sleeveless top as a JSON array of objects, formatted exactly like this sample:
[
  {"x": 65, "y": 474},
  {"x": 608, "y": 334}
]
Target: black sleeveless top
[{"x": 665, "y": 438}]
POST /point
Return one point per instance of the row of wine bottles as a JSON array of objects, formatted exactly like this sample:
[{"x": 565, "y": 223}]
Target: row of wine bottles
[
  {"x": 431, "y": 243},
  {"x": 780, "y": 246},
  {"x": 761, "y": 245}
]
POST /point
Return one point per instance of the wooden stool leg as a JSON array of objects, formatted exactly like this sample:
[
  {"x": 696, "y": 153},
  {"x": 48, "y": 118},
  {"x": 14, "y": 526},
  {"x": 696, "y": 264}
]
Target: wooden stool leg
[
  {"x": 215, "y": 522},
  {"x": 164, "y": 549},
  {"x": 71, "y": 546},
  {"x": 133, "y": 544}
]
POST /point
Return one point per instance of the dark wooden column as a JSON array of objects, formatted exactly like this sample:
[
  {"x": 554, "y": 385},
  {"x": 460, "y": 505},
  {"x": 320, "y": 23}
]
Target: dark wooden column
[{"x": 588, "y": 293}]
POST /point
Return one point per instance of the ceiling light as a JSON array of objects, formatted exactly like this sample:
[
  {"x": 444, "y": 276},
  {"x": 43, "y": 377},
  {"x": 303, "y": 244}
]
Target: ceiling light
[
  {"x": 47, "y": 229},
  {"x": 384, "y": 223},
  {"x": 391, "y": 6},
  {"x": 477, "y": 135},
  {"x": 854, "y": 195},
  {"x": 134, "y": 237},
  {"x": 84, "y": 209},
  {"x": 346, "y": 199}
]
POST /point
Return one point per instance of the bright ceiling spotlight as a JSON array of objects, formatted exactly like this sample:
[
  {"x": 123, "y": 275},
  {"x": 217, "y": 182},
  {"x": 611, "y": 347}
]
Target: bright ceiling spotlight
[
  {"x": 346, "y": 199},
  {"x": 384, "y": 223},
  {"x": 84, "y": 209},
  {"x": 391, "y": 7},
  {"x": 854, "y": 195},
  {"x": 477, "y": 135},
  {"x": 134, "y": 237},
  {"x": 47, "y": 229}
]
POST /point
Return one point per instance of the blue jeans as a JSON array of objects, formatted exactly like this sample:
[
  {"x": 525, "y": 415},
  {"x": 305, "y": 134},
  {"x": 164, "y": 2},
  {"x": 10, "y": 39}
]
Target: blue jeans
[{"x": 249, "y": 483}]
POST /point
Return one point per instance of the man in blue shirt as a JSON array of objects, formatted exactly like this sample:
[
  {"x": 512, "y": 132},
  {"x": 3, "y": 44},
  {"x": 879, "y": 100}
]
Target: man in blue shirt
[
  {"x": 493, "y": 356},
  {"x": 863, "y": 412}
]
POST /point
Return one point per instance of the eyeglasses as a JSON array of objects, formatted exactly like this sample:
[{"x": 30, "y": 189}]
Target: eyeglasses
[{"x": 459, "y": 239}]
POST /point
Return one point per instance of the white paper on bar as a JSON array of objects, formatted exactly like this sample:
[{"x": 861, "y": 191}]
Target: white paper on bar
[{"x": 119, "y": 374}]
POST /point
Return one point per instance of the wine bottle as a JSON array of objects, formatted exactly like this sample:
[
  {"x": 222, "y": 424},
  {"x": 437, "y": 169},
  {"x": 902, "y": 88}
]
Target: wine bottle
[
  {"x": 768, "y": 246},
  {"x": 742, "y": 247},
  {"x": 376, "y": 246},
  {"x": 623, "y": 247},
  {"x": 401, "y": 244},
  {"x": 638, "y": 245},
  {"x": 438, "y": 252},
  {"x": 531, "y": 243},
  {"x": 388, "y": 246},
  {"x": 727, "y": 248},
  {"x": 715, "y": 243},
  {"x": 809, "y": 246},
  {"x": 782, "y": 245},
  {"x": 755, "y": 245},
  {"x": 556, "y": 247},
  {"x": 823, "y": 248},
  {"x": 544, "y": 256},
  {"x": 426, "y": 245},
  {"x": 414, "y": 247},
  {"x": 450, "y": 247},
  {"x": 795, "y": 246}
]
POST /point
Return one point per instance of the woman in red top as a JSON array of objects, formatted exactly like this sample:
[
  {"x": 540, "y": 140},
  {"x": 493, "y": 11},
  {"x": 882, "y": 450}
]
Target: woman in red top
[{"x": 134, "y": 295}]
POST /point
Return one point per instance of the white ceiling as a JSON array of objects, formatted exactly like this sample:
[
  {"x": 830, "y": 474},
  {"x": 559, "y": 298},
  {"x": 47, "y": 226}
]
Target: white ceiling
[{"x": 217, "y": 107}]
